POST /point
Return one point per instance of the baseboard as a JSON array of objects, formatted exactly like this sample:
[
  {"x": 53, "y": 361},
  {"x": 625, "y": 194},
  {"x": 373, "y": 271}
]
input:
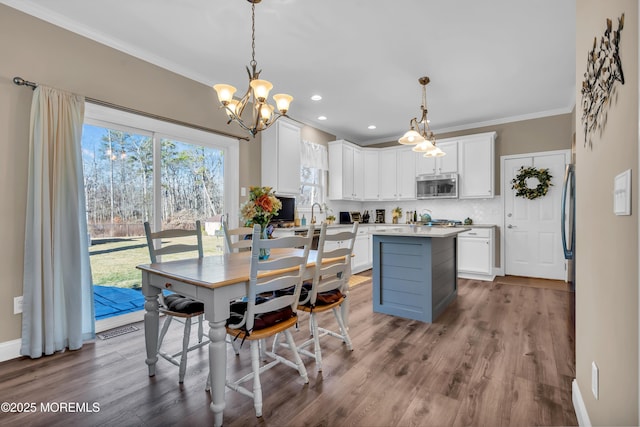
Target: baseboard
[
  {"x": 476, "y": 276},
  {"x": 578, "y": 405},
  {"x": 10, "y": 349}
]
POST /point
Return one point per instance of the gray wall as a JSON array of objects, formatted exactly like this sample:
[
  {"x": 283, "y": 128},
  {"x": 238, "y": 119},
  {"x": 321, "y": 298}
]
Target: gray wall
[
  {"x": 40, "y": 52},
  {"x": 607, "y": 245}
]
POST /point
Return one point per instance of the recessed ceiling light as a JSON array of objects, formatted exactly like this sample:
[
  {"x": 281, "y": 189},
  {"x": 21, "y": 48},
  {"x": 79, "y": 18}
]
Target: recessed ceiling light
[
  {"x": 371, "y": 127},
  {"x": 322, "y": 118},
  {"x": 316, "y": 97}
]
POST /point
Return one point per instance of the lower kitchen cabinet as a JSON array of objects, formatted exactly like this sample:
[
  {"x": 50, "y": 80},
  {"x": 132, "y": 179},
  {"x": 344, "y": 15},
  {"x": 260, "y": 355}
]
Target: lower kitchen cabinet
[
  {"x": 476, "y": 254},
  {"x": 361, "y": 252},
  {"x": 361, "y": 259}
]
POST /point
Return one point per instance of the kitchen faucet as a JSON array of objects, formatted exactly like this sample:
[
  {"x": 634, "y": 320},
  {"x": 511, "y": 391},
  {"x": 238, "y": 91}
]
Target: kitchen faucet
[{"x": 313, "y": 218}]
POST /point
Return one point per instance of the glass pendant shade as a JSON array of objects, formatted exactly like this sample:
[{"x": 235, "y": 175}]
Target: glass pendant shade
[
  {"x": 424, "y": 147},
  {"x": 411, "y": 137},
  {"x": 436, "y": 152},
  {"x": 265, "y": 112},
  {"x": 225, "y": 93},
  {"x": 261, "y": 89},
  {"x": 232, "y": 108},
  {"x": 282, "y": 102}
]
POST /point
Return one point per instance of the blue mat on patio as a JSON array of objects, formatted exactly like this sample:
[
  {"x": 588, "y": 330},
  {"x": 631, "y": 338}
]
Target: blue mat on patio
[{"x": 111, "y": 301}]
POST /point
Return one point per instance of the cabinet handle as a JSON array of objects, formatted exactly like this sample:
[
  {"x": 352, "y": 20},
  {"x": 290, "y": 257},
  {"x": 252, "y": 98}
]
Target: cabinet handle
[{"x": 472, "y": 234}]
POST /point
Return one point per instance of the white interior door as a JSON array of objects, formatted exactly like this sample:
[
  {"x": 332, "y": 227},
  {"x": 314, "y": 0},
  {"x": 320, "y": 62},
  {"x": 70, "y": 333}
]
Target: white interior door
[{"x": 533, "y": 245}]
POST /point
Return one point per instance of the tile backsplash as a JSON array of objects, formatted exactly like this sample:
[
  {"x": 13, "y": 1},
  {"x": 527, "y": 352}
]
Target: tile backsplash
[{"x": 481, "y": 211}]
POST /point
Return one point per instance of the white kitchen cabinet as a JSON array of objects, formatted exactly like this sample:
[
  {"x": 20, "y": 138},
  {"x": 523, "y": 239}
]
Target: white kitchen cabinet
[
  {"x": 397, "y": 174},
  {"x": 281, "y": 157},
  {"x": 362, "y": 255},
  {"x": 387, "y": 175},
  {"x": 439, "y": 165},
  {"x": 370, "y": 174},
  {"x": 476, "y": 254},
  {"x": 361, "y": 252},
  {"x": 346, "y": 169},
  {"x": 406, "y": 174},
  {"x": 476, "y": 166},
  {"x": 358, "y": 175}
]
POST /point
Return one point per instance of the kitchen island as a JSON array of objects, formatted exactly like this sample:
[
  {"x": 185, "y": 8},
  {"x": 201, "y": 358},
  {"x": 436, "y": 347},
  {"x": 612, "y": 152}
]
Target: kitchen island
[{"x": 415, "y": 271}]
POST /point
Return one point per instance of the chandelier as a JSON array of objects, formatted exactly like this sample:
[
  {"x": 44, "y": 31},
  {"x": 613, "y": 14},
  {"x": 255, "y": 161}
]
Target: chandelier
[
  {"x": 420, "y": 135},
  {"x": 263, "y": 114}
]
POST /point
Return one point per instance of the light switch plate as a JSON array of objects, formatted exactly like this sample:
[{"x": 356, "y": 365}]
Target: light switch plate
[
  {"x": 622, "y": 193},
  {"x": 594, "y": 380}
]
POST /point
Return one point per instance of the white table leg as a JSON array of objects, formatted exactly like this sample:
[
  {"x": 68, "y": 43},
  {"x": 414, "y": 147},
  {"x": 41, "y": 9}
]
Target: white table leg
[
  {"x": 217, "y": 368},
  {"x": 151, "y": 327}
]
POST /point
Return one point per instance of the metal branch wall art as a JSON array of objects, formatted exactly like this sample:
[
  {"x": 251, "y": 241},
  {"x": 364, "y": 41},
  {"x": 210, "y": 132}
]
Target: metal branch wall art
[{"x": 604, "y": 68}]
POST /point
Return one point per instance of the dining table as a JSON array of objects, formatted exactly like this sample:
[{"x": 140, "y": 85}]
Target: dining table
[{"x": 215, "y": 281}]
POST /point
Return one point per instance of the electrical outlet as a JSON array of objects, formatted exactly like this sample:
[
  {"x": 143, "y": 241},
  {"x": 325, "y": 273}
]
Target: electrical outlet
[
  {"x": 17, "y": 305},
  {"x": 594, "y": 379}
]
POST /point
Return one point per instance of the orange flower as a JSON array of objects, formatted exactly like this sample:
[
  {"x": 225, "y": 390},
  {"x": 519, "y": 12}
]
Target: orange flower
[{"x": 265, "y": 203}]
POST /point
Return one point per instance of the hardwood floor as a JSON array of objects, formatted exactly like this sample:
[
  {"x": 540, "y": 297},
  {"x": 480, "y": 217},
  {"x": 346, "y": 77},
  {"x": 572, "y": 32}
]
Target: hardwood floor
[{"x": 499, "y": 355}]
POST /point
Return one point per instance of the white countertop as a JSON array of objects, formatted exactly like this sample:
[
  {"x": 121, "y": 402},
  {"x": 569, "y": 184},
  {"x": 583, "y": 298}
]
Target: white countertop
[
  {"x": 421, "y": 231},
  {"x": 375, "y": 224}
]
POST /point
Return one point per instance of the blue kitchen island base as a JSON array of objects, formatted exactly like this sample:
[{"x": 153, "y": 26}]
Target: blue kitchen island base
[{"x": 414, "y": 276}]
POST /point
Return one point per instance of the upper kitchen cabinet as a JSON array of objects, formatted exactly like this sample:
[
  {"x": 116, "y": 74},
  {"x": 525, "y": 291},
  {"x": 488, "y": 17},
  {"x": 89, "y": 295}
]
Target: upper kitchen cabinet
[
  {"x": 371, "y": 172},
  {"x": 281, "y": 157},
  {"x": 476, "y": 166},
  {"x": 346, "y": 171},
  {"x": 397, "y": 174},
  {"x": 439, "y": 165}
]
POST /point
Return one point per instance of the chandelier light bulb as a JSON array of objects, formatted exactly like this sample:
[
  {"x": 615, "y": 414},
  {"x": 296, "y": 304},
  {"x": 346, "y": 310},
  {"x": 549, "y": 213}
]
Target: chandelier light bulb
[
  {"x": 282, "y": 102},
  {"x": 225, "y": 93},
  {"x": 261, "y": 89},
  {"x": 265, "y": 112},
  {"x": 232, "y": 108},
  {"x": 424, "y": 147},
  {"x": 411, "y": 137}
]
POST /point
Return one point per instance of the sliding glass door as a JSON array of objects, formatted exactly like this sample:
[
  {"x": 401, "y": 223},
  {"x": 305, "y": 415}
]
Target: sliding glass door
[{"x": 132, "y": 176}]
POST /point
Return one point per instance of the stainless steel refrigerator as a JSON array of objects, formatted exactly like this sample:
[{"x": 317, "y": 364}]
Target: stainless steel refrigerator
[{"x": 568, "y": 216}]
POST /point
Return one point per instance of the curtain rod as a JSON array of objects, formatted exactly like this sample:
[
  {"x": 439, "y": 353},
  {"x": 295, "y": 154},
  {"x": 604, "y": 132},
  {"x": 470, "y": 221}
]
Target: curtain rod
[{"x": 22, "y": 82}]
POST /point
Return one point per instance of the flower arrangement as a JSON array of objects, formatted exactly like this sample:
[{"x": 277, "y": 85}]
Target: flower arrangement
[{"x": 260, "y": 208}]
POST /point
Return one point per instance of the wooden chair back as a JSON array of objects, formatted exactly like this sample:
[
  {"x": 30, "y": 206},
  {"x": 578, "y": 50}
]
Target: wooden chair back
[
  {"x": 283, "y": 270},
  {"x": 235, "y": 237},
  {"x": 154, "y": 238}
]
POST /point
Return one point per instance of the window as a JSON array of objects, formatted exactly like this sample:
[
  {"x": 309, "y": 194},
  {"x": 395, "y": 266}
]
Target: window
[
  {"x": 311, "y": 187},
  {"x": 313, "y": 174},
  {"x": 138, "y": 169}
]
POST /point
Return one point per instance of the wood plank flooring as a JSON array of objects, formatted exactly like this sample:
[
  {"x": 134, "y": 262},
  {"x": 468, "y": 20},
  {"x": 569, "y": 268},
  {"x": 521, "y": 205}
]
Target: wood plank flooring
[{"x": 500, "y": 355}]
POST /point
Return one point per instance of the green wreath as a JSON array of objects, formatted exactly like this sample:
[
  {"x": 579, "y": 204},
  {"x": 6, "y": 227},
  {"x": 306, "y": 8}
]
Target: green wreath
[{"x": 519, "y": 183}]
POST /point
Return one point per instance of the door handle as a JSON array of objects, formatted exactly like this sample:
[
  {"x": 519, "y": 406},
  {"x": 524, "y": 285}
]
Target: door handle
[{"x": 511, "y": 226}]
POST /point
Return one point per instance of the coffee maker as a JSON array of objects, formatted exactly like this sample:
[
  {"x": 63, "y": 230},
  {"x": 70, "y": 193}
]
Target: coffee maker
[{"x": 380, "y": 216}]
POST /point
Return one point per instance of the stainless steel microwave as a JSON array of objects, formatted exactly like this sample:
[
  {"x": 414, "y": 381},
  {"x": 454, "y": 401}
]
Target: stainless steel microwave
[{"x": 437, "y": 186}]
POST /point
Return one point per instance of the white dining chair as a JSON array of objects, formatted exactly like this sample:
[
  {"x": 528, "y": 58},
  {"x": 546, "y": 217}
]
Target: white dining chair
[
  {"x": 235, "y": 237},
  {"x": 327, "y": 291},
  {"x": 261, "y": 317},
  {"x": 174, "y": 305}
]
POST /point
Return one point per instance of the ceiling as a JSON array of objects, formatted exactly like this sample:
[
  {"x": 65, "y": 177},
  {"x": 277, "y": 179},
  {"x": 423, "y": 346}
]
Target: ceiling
[{"x": 489, "y": 61}]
